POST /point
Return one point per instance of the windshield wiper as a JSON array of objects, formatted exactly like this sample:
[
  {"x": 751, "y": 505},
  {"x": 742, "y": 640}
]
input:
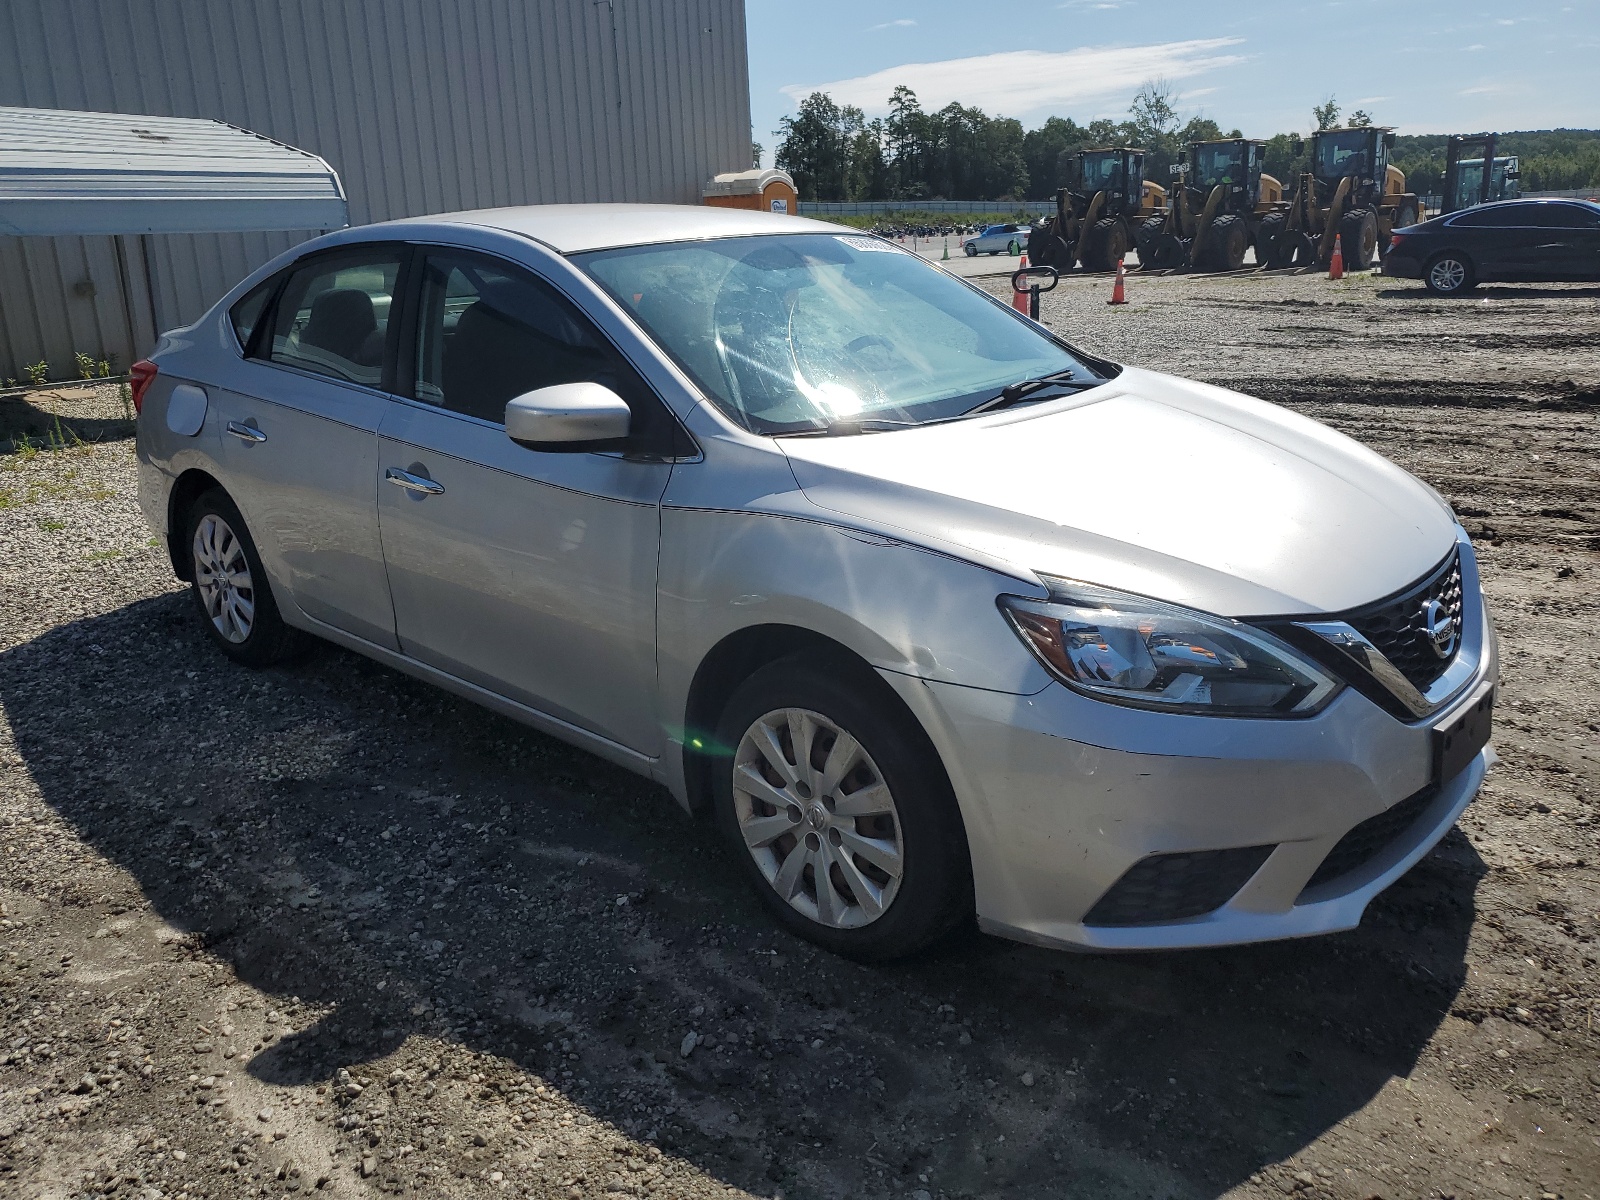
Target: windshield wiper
[
  {"x": 1024, "y": 388},
  {"x": 840, "y": 428}
]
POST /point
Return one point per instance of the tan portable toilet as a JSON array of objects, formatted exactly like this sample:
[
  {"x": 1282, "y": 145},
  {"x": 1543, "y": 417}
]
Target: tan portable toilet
[{"x": 767, "y": 191}]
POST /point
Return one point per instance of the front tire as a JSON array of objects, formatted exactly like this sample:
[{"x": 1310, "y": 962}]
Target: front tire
[
  {"x": 1449, "y": 274},
  {"x": 1226, "y": 241},
  {"x": 1106, "y": 245},
  {"x": 231, "y": 590},
  {"x": 838, "y": 810}
]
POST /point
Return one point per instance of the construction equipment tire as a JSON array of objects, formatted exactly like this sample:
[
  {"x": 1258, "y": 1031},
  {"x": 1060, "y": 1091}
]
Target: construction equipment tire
[
  {"x": 1406, "y": 214},
  {"x": 1106, "y": 245},
  {"x": 1295, "y": 249},
  {"x": 1164, "y": 252},
  {"x": 1226, "y": 241},
  {"x": 1148, "y": 234},
  {"x": 1267, "y": 235},
  {"x": 1358, "y": 237},
  {"x": 1045, "y": 249}
]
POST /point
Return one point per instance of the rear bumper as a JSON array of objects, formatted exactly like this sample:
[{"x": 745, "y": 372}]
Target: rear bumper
[{"x": 1402, "y": 266}]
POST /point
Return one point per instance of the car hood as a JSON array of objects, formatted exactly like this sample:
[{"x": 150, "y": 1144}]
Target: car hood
[{"x": 1149, "y": 484}]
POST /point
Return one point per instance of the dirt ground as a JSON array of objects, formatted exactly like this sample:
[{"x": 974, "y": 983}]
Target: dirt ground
[{"x": 326, "y": 928}]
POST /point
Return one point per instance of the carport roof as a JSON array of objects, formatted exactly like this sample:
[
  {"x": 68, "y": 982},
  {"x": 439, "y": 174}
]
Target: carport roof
[{"x": 64, "y": 173}]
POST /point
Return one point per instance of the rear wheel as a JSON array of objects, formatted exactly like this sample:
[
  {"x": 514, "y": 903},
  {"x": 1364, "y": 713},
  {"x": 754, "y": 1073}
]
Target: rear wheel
[
  {"x": 1449, "y": 274},
  {"x": 1106, "y": 245},
  {"x": 1358, "y": 237},
  {"x": 1267, "y": 236},
  {"x": 1295, "y": 249},
  {"x": 1225, "y": 244},
  {"x": 839, "y": 811},
  {"x": 231, "y": 589}
]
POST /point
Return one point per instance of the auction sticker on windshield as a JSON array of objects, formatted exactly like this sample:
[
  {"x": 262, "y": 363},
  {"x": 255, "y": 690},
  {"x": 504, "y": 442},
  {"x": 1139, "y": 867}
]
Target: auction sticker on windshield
[{"x": 869, "y": 245}]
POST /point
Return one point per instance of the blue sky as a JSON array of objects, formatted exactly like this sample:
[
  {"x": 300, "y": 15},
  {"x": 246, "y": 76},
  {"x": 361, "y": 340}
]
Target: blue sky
[{"x": 1422, "y": 66}]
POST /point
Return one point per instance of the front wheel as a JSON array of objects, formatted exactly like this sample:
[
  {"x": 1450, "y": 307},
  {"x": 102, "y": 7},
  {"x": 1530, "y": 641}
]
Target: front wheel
[
  {"x": 839, "y": 812},
  {"x": 972, "y": 251},
  {"x": 1358, "y": 235},
  {"x": 231, "y": 590},
  {"x": 1449, "y": 274}
]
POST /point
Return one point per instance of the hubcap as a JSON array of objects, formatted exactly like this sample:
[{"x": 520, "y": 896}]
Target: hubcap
[
  {"x": 818, "y": 818},
  {"x": 1447, "y": 274},
  {"x": 222, "y": 575}
]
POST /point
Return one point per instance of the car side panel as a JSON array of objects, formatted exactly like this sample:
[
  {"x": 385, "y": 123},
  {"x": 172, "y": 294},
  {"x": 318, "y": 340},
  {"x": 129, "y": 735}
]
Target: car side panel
[
  {"x": 900, "y": 608},
  {"x": 308, "y": 491}
]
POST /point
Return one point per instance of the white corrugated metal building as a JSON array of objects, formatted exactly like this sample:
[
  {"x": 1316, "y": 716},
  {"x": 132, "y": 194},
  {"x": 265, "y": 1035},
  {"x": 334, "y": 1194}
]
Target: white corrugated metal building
[{"x": 419, "y": 105}]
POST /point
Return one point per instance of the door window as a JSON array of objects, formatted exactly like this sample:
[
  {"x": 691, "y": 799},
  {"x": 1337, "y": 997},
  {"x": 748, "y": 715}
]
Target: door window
[
  {"x": 488, "y": 332},
  {"x": 1567, "y": 216},
  {"x": 1512, "y": 216},
  {"x": 333, "y": 316}
]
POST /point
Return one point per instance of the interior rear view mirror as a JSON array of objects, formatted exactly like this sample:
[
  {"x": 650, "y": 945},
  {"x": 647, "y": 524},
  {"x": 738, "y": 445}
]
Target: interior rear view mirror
[{"x": 568, "y": 416}]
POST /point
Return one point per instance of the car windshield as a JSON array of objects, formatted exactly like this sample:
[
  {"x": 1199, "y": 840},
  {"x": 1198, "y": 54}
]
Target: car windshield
[
  {"x": 796, "y": 332},
  {"x": 1219, "y": 164},
  {"x": 1101, "y": 172},
  {"x": 1341, "y": 154}
]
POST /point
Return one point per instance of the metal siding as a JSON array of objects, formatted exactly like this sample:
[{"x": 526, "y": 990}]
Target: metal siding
[{"x": 420, "y": 106}]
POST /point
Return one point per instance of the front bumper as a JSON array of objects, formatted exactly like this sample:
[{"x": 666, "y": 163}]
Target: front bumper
[{"x": 1063, "y": 794}]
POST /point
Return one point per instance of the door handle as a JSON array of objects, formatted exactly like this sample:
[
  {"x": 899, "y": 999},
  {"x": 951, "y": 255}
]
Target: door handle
[
  {"x": 246, "y": 433},
  {"x": 413, "y": 483}
]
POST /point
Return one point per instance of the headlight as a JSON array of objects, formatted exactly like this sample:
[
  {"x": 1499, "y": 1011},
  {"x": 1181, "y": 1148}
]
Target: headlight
[{"x": 1143, "y": 652}]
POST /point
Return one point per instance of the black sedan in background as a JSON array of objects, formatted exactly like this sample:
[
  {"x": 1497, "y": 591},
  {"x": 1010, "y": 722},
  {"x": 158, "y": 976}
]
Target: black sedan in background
[{"x": 1514, "y": 241}]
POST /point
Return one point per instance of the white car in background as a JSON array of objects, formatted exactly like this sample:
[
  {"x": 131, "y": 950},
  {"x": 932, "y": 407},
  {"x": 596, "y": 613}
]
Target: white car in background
[
  {"x": 998, "y": 239},
  {"x": 934, "y": 613}
]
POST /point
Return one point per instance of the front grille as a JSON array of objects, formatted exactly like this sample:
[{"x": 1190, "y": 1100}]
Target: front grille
[
  {"x": 1374, "y": 835},
  {"x": 1171, "y": 887},
  {"x": 1398, "y": 628}
]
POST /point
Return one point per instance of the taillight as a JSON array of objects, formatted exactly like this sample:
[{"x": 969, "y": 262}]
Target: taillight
[
  {"x": 1395, "y": 239},
  {"x": 140, "y": 376}
]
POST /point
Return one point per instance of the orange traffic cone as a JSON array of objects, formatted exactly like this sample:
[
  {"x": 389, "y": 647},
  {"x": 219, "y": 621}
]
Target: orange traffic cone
[
  {"x": 1019, "y": 300},
  {"x": 1024, "y": 263},
  {"x": 1118, "y": 292},
  {"x": 1336, "y": 263}
]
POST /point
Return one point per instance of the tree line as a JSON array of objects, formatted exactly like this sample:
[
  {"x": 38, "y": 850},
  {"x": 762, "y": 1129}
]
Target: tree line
[{"x": 959, "y": 152}]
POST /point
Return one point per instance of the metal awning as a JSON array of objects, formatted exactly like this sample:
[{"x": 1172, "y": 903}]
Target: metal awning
[{"x": 66, "y": 173}]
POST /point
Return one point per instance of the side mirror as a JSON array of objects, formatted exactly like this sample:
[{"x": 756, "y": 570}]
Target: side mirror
[{"x": 568, "y": 416}]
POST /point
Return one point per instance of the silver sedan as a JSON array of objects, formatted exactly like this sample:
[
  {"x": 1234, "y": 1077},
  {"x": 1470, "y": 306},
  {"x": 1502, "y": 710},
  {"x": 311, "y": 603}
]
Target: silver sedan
[{"x": 931, "y": 613}]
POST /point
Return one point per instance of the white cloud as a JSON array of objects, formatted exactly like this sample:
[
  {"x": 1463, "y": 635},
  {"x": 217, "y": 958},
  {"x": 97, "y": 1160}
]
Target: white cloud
[
  {"x": 1474, "y": 46},
  {"x": 1095, "y": 5},
  {"x": 1022, "y": 81},
  {"x": 902, "y": 23},
  {"x": 1373, "y": 99}
]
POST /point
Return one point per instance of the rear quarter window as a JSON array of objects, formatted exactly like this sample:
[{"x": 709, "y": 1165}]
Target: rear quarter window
[{"x": 245, "y": 314}]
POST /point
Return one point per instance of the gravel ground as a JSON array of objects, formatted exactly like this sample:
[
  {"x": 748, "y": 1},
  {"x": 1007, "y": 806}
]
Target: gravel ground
[{"x": 326, "y": 928}]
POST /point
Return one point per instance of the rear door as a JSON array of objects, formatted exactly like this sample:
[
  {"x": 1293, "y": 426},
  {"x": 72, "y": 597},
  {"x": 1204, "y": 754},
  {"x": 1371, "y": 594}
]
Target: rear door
[
  {"x": 1571, "y": 243},
  {"x": 1501, "y": 240},
  {"x": 299, "y": 449}
]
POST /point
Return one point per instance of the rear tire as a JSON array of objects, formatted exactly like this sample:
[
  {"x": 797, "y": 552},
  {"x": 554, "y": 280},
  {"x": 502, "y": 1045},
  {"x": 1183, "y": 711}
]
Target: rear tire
[
  {"x": 869, "y": 798},
  {"x": 1358, "y": 237},
  {"x": 1449, "y": 274},
  {"x": 1295, "y": 249},
  {"x": 231, "y": 590},
  {"x": 1267, "y": 236}
]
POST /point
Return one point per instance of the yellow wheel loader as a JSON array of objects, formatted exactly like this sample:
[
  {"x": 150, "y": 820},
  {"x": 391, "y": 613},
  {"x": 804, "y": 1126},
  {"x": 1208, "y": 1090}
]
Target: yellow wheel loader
[
  {"x": 1352, "y": 193},
  {"x": 1098, "y": 213},
  {"x": 1217, "y": 211}
]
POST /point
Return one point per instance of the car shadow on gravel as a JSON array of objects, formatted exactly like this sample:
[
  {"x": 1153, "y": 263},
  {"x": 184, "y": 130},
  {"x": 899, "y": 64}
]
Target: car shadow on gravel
[{"x": 398, "y": 862}]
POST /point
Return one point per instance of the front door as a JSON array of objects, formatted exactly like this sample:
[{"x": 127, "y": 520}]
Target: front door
[
  {"x": 529, "y": 573},
  {"x": 1571, "y": 242},
  {"x": 300, "y": 438}
]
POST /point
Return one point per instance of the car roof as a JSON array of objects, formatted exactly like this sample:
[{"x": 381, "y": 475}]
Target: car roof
[{"x": 572, "y": 228}]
